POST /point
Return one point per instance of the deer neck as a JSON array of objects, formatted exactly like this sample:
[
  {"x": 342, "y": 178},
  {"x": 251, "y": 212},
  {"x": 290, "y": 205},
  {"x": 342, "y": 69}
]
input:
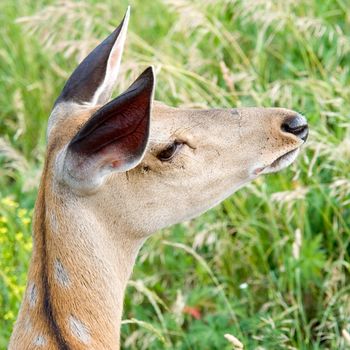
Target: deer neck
[{"x": 77, "y": 278}]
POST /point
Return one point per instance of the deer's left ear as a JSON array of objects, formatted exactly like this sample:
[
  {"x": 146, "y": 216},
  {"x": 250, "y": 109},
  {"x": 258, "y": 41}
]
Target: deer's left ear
[
  {"x": 114, "y": 139},
  {"x": 94, "y": 79}
]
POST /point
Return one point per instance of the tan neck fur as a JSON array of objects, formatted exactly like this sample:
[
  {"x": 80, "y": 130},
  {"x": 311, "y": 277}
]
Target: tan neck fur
[{"x": 76, "y": 280}]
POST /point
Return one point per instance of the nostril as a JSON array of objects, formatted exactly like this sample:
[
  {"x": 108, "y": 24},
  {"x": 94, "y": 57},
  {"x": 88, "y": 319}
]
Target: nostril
[
  {"x": 297, "y": 126},
  {"x": 301, "y": 131},
  {"x": 294, "y": 130}
]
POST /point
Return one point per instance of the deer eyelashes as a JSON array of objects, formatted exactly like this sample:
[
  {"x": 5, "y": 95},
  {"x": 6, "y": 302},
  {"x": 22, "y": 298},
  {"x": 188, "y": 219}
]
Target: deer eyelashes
[{"x": 170, "y": 151}]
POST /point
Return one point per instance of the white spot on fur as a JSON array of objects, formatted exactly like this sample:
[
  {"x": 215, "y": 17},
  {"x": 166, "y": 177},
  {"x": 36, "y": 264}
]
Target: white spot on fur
[
  {"x": 79, "y": 330},
  {"x": 53, "y": 221},
  {"x": 32, "y": 294},
  {"x": 39, "y": 341},
  {"x": 61, "y": 274},
  {"x": 27, "y": 324}
]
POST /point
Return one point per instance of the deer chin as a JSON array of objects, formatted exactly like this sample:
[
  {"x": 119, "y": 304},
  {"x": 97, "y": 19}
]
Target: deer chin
[{"x": 280, "y": 163}]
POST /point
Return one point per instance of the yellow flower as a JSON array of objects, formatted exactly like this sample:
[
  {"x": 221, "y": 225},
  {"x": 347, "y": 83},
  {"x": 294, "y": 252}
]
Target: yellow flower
[
  {"x": 9, "y": 202},
  {"x": 9, "y": 315},
  {"x": 22, "y": 212},
  {"x": 28, "y": 246},
  {"x": 3, "y": 219},
  {"x": 19, "y": 236},
  {"x": 3, "y": 230},
  {"x": 26, "y": 221}
]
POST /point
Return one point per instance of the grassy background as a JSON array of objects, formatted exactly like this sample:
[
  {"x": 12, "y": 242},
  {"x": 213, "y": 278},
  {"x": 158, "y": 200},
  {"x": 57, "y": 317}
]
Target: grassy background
[{"x": 269, "y": 265}]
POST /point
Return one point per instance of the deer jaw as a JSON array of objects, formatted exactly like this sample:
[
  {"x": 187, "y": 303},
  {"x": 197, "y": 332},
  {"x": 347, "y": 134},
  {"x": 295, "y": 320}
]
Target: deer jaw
[{"x": 117, "y": 171}]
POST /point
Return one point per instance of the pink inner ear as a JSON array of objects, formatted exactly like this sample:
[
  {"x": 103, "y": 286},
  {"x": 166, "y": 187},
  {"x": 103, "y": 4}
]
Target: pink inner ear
[{"x": 115, "y": 164}]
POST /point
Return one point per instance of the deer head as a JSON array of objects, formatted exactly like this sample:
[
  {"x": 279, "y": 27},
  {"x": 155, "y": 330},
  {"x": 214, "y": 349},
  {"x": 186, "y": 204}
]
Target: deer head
[
  {"x": 152, "y": 164},
  {"x": 117, "y": 171}
]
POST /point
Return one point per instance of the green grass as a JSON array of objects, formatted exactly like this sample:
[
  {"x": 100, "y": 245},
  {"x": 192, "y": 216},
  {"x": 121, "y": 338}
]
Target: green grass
[{"x": 241, "y": 265}]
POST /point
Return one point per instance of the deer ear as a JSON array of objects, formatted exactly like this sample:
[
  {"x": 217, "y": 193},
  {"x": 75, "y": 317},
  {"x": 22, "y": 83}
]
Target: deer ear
[
  {"x": 93, "y": 80},
  {"x": 114, "y": 139}
]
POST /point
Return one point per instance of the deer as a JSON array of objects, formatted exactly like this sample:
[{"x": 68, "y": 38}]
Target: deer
[{"x": 118, "y": 170}]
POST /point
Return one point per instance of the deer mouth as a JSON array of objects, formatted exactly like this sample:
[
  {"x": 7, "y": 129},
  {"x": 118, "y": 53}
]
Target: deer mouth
[
  {"x": 279, "y": 164},
  {"x": 282, "y": 161},
  {"x": 286, "y": 158}
]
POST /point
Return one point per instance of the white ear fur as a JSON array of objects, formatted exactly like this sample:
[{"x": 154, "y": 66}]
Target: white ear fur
[
  {"x": 104, "y": 91},
  {"x": 84, "y": 176}
]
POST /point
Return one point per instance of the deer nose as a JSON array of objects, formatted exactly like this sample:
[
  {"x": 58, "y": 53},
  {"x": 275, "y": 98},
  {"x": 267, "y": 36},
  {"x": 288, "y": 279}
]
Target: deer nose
[{"x": 296, "y": 125}]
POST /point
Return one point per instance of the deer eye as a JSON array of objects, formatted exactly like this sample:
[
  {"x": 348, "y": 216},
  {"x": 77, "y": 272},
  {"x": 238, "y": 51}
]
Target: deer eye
[{"x": 170, "y": 151}]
